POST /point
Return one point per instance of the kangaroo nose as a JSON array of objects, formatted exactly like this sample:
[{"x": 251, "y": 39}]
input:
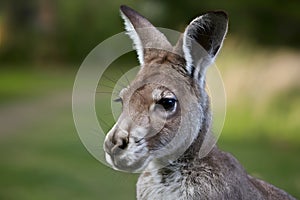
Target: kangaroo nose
[
  {"x": 117, "y": 145},
  {"x": 116, "y": 142},
  {"x": 121, "y": 142}
]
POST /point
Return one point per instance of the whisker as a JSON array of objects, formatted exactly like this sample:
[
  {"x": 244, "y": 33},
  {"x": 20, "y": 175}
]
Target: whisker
[
  {"x": 117, "y": 89},
  {"x": 104, "y": 92},
  {"x": 108, "y": 86},
  {"x": 114, "y": 95},
  {"x": 112, "y": 80},
  {"x": 101, "y": 92},
  {"x": 105, "y": 123}
]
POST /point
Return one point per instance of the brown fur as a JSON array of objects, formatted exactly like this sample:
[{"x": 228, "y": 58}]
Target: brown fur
[{"x": 170, "y": 140}]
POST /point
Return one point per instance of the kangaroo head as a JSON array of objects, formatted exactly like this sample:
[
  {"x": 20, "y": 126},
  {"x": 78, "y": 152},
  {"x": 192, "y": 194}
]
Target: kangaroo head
[{"x": 166, "y": 107}]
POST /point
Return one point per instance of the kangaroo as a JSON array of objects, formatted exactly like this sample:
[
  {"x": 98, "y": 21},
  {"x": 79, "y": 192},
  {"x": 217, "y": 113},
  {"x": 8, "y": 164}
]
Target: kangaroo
[{"x": 166, "y": 115}]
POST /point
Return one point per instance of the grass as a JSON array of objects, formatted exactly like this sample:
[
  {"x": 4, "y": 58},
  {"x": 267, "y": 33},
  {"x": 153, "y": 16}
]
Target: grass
[
  {"x": 46, "y": 159},
  {"x": 53, "y": 164},
  {"x": 27, "y": 83}
]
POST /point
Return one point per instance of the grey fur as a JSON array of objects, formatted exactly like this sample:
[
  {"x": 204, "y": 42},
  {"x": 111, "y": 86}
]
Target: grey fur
[{"x": 218, "y": 175}]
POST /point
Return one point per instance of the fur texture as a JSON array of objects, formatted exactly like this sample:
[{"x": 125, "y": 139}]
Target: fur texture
[{"x": 166, "y": 117}]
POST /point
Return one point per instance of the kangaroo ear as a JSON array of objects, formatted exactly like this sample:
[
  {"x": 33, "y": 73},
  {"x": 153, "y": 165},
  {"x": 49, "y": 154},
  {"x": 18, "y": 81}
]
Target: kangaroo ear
[
  {"x": 202, "y": 41},
  {"x": 143, "y": 33}
]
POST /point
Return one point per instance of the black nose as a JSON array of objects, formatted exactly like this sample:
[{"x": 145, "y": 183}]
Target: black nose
[
  {"x": 123, "y": 143},
  {"x": 114, "y": 145},
  {"x": 119, "y": 145}
]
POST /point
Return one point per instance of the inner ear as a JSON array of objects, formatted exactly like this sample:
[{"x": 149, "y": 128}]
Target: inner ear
[
  {"x": 202, "y": 41},
  {"x": 143, "y": 33},
  {"x": 209, "y": 30}
]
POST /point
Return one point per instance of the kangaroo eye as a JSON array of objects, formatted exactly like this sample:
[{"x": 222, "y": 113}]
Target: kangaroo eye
[{"x": 167, "y": 103}]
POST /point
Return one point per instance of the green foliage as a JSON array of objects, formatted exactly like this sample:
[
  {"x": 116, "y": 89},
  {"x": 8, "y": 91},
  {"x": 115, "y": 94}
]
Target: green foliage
[
  {"x": 21, "y": 83},
  {"x": 277, "y": 121},
  {"x": 65, "y": 31},
  {"x": 48, "y": 161}
]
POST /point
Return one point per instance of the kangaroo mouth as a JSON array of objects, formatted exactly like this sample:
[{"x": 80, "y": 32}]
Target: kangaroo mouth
[{"x": 127, "y": 163}]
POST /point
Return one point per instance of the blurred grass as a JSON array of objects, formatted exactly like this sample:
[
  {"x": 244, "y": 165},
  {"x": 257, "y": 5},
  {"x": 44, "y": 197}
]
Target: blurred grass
[
  {"x": 46, "y": 160},
  {"x": 26, "y": 83}
]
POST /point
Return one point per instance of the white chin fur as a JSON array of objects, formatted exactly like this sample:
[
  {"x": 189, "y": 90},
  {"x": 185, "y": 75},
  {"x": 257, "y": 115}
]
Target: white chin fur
[{"x": 109, "y": 160}]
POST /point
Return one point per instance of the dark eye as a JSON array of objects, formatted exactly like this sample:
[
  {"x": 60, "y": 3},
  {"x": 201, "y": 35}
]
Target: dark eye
[{"x": 167, "y": 103}]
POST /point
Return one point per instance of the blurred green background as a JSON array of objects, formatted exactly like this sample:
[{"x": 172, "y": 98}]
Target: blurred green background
[{"x": 42, "y": 44}]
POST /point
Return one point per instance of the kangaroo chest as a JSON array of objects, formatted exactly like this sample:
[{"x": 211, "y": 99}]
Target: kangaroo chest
[
  {"x": 155, "y": 185},
  {"x": 179, "y": 184}
]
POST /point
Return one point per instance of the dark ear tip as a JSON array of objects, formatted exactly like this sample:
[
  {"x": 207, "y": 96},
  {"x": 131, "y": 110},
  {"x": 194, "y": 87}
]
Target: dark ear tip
[
  {"x": 129, "y": 12},
  {"x": 221, "y": 13},
  {"x": 123, "y": 8}
]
